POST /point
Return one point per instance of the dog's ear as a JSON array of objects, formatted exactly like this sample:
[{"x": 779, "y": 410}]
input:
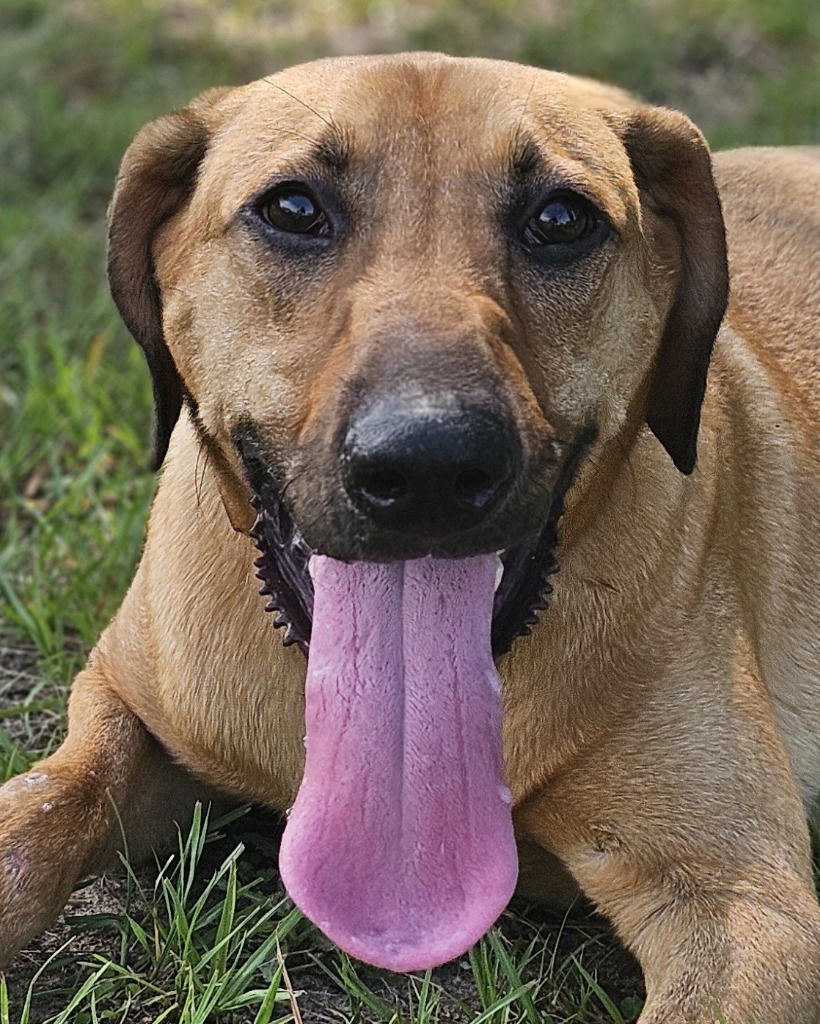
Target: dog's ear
[
  {"x": 156, "y": 179},
  {"x": 673, "y": 171}
]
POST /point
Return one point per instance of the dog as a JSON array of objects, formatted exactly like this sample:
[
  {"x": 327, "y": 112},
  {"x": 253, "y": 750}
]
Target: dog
[{"x": 421, "y": 331}]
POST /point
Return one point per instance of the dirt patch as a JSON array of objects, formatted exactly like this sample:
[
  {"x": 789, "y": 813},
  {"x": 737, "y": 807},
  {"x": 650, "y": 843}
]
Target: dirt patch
[{"x": 31, "y": 708}]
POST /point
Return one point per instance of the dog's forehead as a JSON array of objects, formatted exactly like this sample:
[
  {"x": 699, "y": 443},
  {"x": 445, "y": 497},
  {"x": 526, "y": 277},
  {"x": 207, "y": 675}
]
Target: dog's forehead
[{"x": 426, "y": 114}]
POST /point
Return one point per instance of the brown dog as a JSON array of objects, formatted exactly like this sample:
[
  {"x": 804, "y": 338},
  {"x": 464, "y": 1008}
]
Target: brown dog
[{"x": 421, "y": 306}]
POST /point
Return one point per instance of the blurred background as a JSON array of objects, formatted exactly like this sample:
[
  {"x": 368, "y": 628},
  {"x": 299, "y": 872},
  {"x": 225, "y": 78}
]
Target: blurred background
[{"x": 77, "y": 79}]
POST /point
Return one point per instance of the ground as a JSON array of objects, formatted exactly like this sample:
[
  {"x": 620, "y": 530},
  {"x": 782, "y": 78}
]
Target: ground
[{"x": 207, "y": 935}]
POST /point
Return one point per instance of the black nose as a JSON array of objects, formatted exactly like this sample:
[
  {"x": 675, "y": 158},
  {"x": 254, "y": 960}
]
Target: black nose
[{"x": 428, "y": 467}]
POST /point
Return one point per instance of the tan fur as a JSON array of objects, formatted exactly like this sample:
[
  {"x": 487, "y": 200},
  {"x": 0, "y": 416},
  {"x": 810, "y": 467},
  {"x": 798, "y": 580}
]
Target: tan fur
[{"x": 662, "y": 723}]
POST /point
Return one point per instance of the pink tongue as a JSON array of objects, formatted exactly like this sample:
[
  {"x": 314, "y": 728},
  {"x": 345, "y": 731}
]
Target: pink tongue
[{"x": 400, "y": 844}]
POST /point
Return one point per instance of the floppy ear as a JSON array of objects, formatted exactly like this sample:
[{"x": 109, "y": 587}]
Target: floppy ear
[
  {"x": 156, "y": 179},
  {"x": 673, "y": 171}
]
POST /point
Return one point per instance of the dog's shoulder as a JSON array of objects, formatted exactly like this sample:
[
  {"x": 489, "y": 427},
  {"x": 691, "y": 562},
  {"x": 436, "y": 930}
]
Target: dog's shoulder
[
  {"x": 771, "y": 207},
  {"x": 772, "y": 184}
]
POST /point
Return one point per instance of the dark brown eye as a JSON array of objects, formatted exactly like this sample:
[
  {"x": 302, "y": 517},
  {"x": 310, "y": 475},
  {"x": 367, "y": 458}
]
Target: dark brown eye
[
  {"x": 291, "y": 209},
  {"x": 563, "y": 220}
]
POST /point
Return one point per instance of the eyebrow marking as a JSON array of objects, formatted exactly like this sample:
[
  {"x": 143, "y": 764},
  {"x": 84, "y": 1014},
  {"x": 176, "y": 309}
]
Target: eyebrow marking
[
  {"x": 330, "y": 150},
  {"x": 526, "y": 158},
  {"x": 333, "y": 150}
]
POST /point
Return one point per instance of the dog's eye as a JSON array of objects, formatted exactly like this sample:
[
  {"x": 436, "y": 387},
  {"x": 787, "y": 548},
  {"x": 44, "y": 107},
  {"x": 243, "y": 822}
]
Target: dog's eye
[
  {"x": 293, "y": 210},
  {"x": 562, "y": 220}
]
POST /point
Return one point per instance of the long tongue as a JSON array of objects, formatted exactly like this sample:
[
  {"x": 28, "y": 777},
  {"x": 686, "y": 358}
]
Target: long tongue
[{"x": 400, "y": 843}]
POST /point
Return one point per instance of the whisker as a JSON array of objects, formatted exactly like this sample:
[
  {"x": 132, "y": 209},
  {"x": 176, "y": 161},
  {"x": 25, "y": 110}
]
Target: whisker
[
  {"x": 199, "y": 478},
  {"x": 307, "y": 106},
  {"x": 526, "y": 105},
  {"x": 289, "y": 482},
  {"x": 301, "y": 135}
]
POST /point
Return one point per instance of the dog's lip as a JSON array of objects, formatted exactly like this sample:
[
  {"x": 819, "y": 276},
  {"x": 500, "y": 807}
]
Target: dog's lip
[
  {"x": 283, "y": 567},
  {"x": 386, "y": 547},
  {"x": 521, "y": 589},
  {"x": 521, "y": 592}
]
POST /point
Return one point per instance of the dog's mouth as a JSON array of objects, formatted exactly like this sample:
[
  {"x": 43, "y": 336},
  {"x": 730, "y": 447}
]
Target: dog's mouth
[
  {"x": 400, "y": 844},
  {"x": 520, "y": 595}
]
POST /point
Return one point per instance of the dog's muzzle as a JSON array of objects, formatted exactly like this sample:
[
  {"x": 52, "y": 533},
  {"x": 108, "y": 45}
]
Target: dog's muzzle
[{"x": 522, "y": 593}]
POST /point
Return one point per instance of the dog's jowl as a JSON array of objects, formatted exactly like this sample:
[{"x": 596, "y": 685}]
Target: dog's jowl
[{"x": 509, "y": 396}]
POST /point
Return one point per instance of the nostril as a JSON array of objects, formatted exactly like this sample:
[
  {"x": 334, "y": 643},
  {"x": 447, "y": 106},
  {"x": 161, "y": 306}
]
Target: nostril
[
  {"x": 384, "y": 487},
  {"x": 432, "y": 468},
  {"x": 475, "y": 488}
]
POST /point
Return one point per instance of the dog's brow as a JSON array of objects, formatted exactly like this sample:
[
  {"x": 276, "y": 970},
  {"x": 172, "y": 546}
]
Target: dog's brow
[
  {"x": 526, "y": 158},
  {"x": 333, "y": 150}
]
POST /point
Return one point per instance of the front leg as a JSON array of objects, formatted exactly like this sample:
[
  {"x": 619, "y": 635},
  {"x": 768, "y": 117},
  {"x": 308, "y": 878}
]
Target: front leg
[
  {"x": 695, "y": 844},
  {"x": 58, "y": 821},
  {"x": 724, "y": 951}
]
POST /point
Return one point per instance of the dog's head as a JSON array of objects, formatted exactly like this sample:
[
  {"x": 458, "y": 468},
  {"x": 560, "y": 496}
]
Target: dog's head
[{"x": 401, "y": 295}]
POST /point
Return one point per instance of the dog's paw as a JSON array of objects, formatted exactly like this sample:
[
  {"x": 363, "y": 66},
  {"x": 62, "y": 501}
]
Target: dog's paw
[{"x": 41, "y": 836}]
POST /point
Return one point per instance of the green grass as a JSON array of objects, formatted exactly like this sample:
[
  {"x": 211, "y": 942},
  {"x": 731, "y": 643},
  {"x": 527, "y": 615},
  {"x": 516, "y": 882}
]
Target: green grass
[
  {"x": 207, "y": 935},
  {"x": 204, "y": 936}
]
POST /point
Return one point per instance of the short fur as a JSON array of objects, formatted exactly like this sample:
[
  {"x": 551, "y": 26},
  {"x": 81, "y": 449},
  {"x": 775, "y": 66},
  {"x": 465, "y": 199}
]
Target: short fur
[{"x": 662, "y": 723}]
